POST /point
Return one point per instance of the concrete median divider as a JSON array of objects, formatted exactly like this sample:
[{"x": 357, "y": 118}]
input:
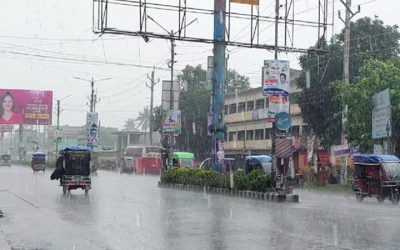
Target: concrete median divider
[{"x": 267, "y": 196}]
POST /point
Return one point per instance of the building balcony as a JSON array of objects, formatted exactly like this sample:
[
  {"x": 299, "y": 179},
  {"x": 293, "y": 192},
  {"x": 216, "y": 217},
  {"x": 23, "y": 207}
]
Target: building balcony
[{"x": 248, "y": 145}]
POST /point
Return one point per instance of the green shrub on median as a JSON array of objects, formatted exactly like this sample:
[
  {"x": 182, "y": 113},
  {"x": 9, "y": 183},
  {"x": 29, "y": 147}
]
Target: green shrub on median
[{"x": 255, "y": 181}]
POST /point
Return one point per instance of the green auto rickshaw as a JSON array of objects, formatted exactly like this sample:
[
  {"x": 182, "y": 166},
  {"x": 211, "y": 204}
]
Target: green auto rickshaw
[{"x": 183, "y": 159}]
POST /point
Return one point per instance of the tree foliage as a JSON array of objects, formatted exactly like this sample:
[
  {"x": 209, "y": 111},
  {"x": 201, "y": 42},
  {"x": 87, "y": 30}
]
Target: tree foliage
[
  {"x": 130, "y": 125},
  {"x": 320, "y": 105},
  {"x": 195, "y": 105},
  {"x": 376, "y": 76},
  {"x": 143, "y": 119}
]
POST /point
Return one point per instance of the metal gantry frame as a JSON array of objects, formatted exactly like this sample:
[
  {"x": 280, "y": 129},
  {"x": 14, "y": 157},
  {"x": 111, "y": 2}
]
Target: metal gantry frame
[{"x": 287, "y": 18}]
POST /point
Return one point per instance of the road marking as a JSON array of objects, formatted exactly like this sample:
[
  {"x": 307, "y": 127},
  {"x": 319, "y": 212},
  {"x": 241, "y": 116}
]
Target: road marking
[{"x": 21, "y": 198}]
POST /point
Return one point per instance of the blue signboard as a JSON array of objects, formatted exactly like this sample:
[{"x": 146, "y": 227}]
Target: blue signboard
[{"x": 283, "y": 121}]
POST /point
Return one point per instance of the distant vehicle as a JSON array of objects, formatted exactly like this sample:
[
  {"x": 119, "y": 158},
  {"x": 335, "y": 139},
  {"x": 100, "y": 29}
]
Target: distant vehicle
[
  {"x": 107, "y": 159},
  {"x": 263, "y": 162},
  {"x": 38, "y": 162},
  {"x": 377, "y": 176},
  {"x": 5, "y": 160},
  {"x": 141, "y": 159},
  {"x": 183, "y": 159},
  {"x": 73, "y": 169}
]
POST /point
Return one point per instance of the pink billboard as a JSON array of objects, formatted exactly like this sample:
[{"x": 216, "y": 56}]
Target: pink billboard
[{"x": 20, "y": 106}]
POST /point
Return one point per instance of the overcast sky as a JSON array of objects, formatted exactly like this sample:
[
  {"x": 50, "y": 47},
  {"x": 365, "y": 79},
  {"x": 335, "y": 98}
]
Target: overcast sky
[{"x": 36, "y": 36}]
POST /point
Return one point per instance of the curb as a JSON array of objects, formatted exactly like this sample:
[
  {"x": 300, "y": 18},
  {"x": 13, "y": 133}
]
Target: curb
[{"x": 268, "y": 196}]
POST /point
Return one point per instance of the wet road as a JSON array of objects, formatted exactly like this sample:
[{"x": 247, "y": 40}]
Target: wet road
[{"x": 130, "y": 212}]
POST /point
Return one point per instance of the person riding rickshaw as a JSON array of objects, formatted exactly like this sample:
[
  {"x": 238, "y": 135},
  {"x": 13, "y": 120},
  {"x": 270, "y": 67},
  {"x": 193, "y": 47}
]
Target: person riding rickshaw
[
  {"x": 377, "y": 176},
  {"x": 73, "y": 169},
  {"x": 38, "y": 161}
]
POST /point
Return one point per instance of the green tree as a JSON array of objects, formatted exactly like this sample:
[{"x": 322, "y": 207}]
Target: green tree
[
  {"x": 321, "y": 108},
  {"x": 195, "y": 105},
  {"x": 376, "y": 76},
  {"x": 157, "y": 118},
  {"x": 235, "y": 81},
  {"x": 143, "y": 119},
  {"x": 130, "y": 125}
]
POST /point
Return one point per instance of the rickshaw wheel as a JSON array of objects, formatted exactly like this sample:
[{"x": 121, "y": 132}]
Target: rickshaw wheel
[
  {"x": 86, "y": 190},
  {"x": 395, "y": 198},
  {"x": 65, "y": 189},
  {"x": 380, "y": 199},
  {"x": 359, "y": 197}
]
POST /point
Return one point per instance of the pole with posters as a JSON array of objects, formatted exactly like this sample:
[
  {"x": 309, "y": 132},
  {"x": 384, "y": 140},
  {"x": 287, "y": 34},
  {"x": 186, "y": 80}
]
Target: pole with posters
[{"x": 217, "y": 127}]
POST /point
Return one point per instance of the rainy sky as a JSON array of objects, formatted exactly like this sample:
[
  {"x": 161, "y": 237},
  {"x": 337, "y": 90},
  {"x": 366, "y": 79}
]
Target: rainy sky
[{"x": 45, "y": 44}]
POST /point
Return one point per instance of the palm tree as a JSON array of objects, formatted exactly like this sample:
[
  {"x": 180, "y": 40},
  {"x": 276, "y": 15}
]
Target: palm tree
[
  {"x": 130, "y": 125},
  {"x": 144, "y": 119}
]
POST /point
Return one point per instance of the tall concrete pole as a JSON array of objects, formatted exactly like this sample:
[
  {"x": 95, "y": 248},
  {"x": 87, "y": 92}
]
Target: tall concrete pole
[
  {"x": 151, "y": 87},
  {"x": 219, "y": 81},
  {"x": 58, "y": 125}
]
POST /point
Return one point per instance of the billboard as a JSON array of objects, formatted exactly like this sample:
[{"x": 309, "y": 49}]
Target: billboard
[
  {"x": 166, "y": 95},
  {"x": 92, "y": 135},
  {"x": 172, "y": 122},
  {"x": 276, "y": 77},
  {"x": 277, "y": 104},
  {"x": 381, "y": 115},
  {"x": 19, "y": 106}
]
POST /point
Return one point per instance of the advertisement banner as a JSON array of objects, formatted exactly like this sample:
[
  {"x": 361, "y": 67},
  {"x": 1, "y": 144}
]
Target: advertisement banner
[
  {"x": 172, "y": 122},
  {"x": 19, "y": 106},
  {"x": 251, "y": 2},
  {"x": 381, "y": 115},
  {"x": 277, "y": 104},
  {"x": 276, "y": 77},
  {"x": 92, "y": 135}
]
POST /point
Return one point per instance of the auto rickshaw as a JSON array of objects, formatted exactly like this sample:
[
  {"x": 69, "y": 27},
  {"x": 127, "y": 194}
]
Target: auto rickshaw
[
  {"x": 377, "y": 176},
  {"x": 73, "y": 169},
  {"x": 38, "y": 161},
  {"x": 263, "y": 162},
  {"x": 183, "y": 159},
  {"x": 5, "y": 160}
]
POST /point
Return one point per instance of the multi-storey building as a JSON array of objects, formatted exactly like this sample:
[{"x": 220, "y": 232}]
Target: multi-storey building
[{"x": 248, "y": 129}]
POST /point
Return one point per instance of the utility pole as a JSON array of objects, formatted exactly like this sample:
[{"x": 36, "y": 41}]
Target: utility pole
[
  {"x": 93, "y": 96},
  {"x": 58, "y": 124},
  {"x": 346, "y": 58},
  {"x": 151, "y": 87},
  {"x": 346, "y": 70},
  {"x": 276, "y": 27},
  {"x": 218, "y": 129}
]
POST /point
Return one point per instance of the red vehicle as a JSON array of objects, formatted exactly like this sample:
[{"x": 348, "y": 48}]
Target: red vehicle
[
  {"x": 377, "y": 176},
  {"x": 142, "y": 159}
]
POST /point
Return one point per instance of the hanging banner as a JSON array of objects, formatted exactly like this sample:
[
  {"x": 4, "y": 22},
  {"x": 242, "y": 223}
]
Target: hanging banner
[
  {"x": 277, "y": 104},
  {"x": 19, "y": 106},
  {"x": 172, "y": 122},
  {"x": 276, "y": 77},
  {"x": 92, "y": 136}
]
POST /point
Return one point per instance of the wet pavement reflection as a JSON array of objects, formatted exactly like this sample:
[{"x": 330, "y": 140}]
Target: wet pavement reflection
[{"x": 128, "y": 211}]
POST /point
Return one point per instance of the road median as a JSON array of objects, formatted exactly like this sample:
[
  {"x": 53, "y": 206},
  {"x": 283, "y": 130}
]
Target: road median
[{"x": 254, "y": 195}]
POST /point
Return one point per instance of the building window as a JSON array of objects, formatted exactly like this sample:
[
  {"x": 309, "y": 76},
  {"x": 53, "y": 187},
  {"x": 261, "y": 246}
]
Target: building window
[
  {"x": 250, "y": 105},
  {"x": 259, "y": 134},
  {"x": 268, "y": 133},
  {"x": 226, "y": 109},
  {"x": 241, "y": 135},
  {"x": 241, "y": 107},
  {"x": 250, "y": 135},
  {"x": 232, "y": 136},
  {"x": 232, "y": 108},
  {"x": 260, "y": 104}
]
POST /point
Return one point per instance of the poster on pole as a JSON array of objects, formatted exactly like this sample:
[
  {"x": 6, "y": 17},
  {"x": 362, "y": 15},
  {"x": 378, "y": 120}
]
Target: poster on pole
[
  {"x": 20, "y": 106},
  {"x": 381, "y": 115},
  {"x": 172, "y": 122},
  {"x": 276, "y": 77},
  {"x": 277, "y": 104},
  {"x": 92, "y": 135}
]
